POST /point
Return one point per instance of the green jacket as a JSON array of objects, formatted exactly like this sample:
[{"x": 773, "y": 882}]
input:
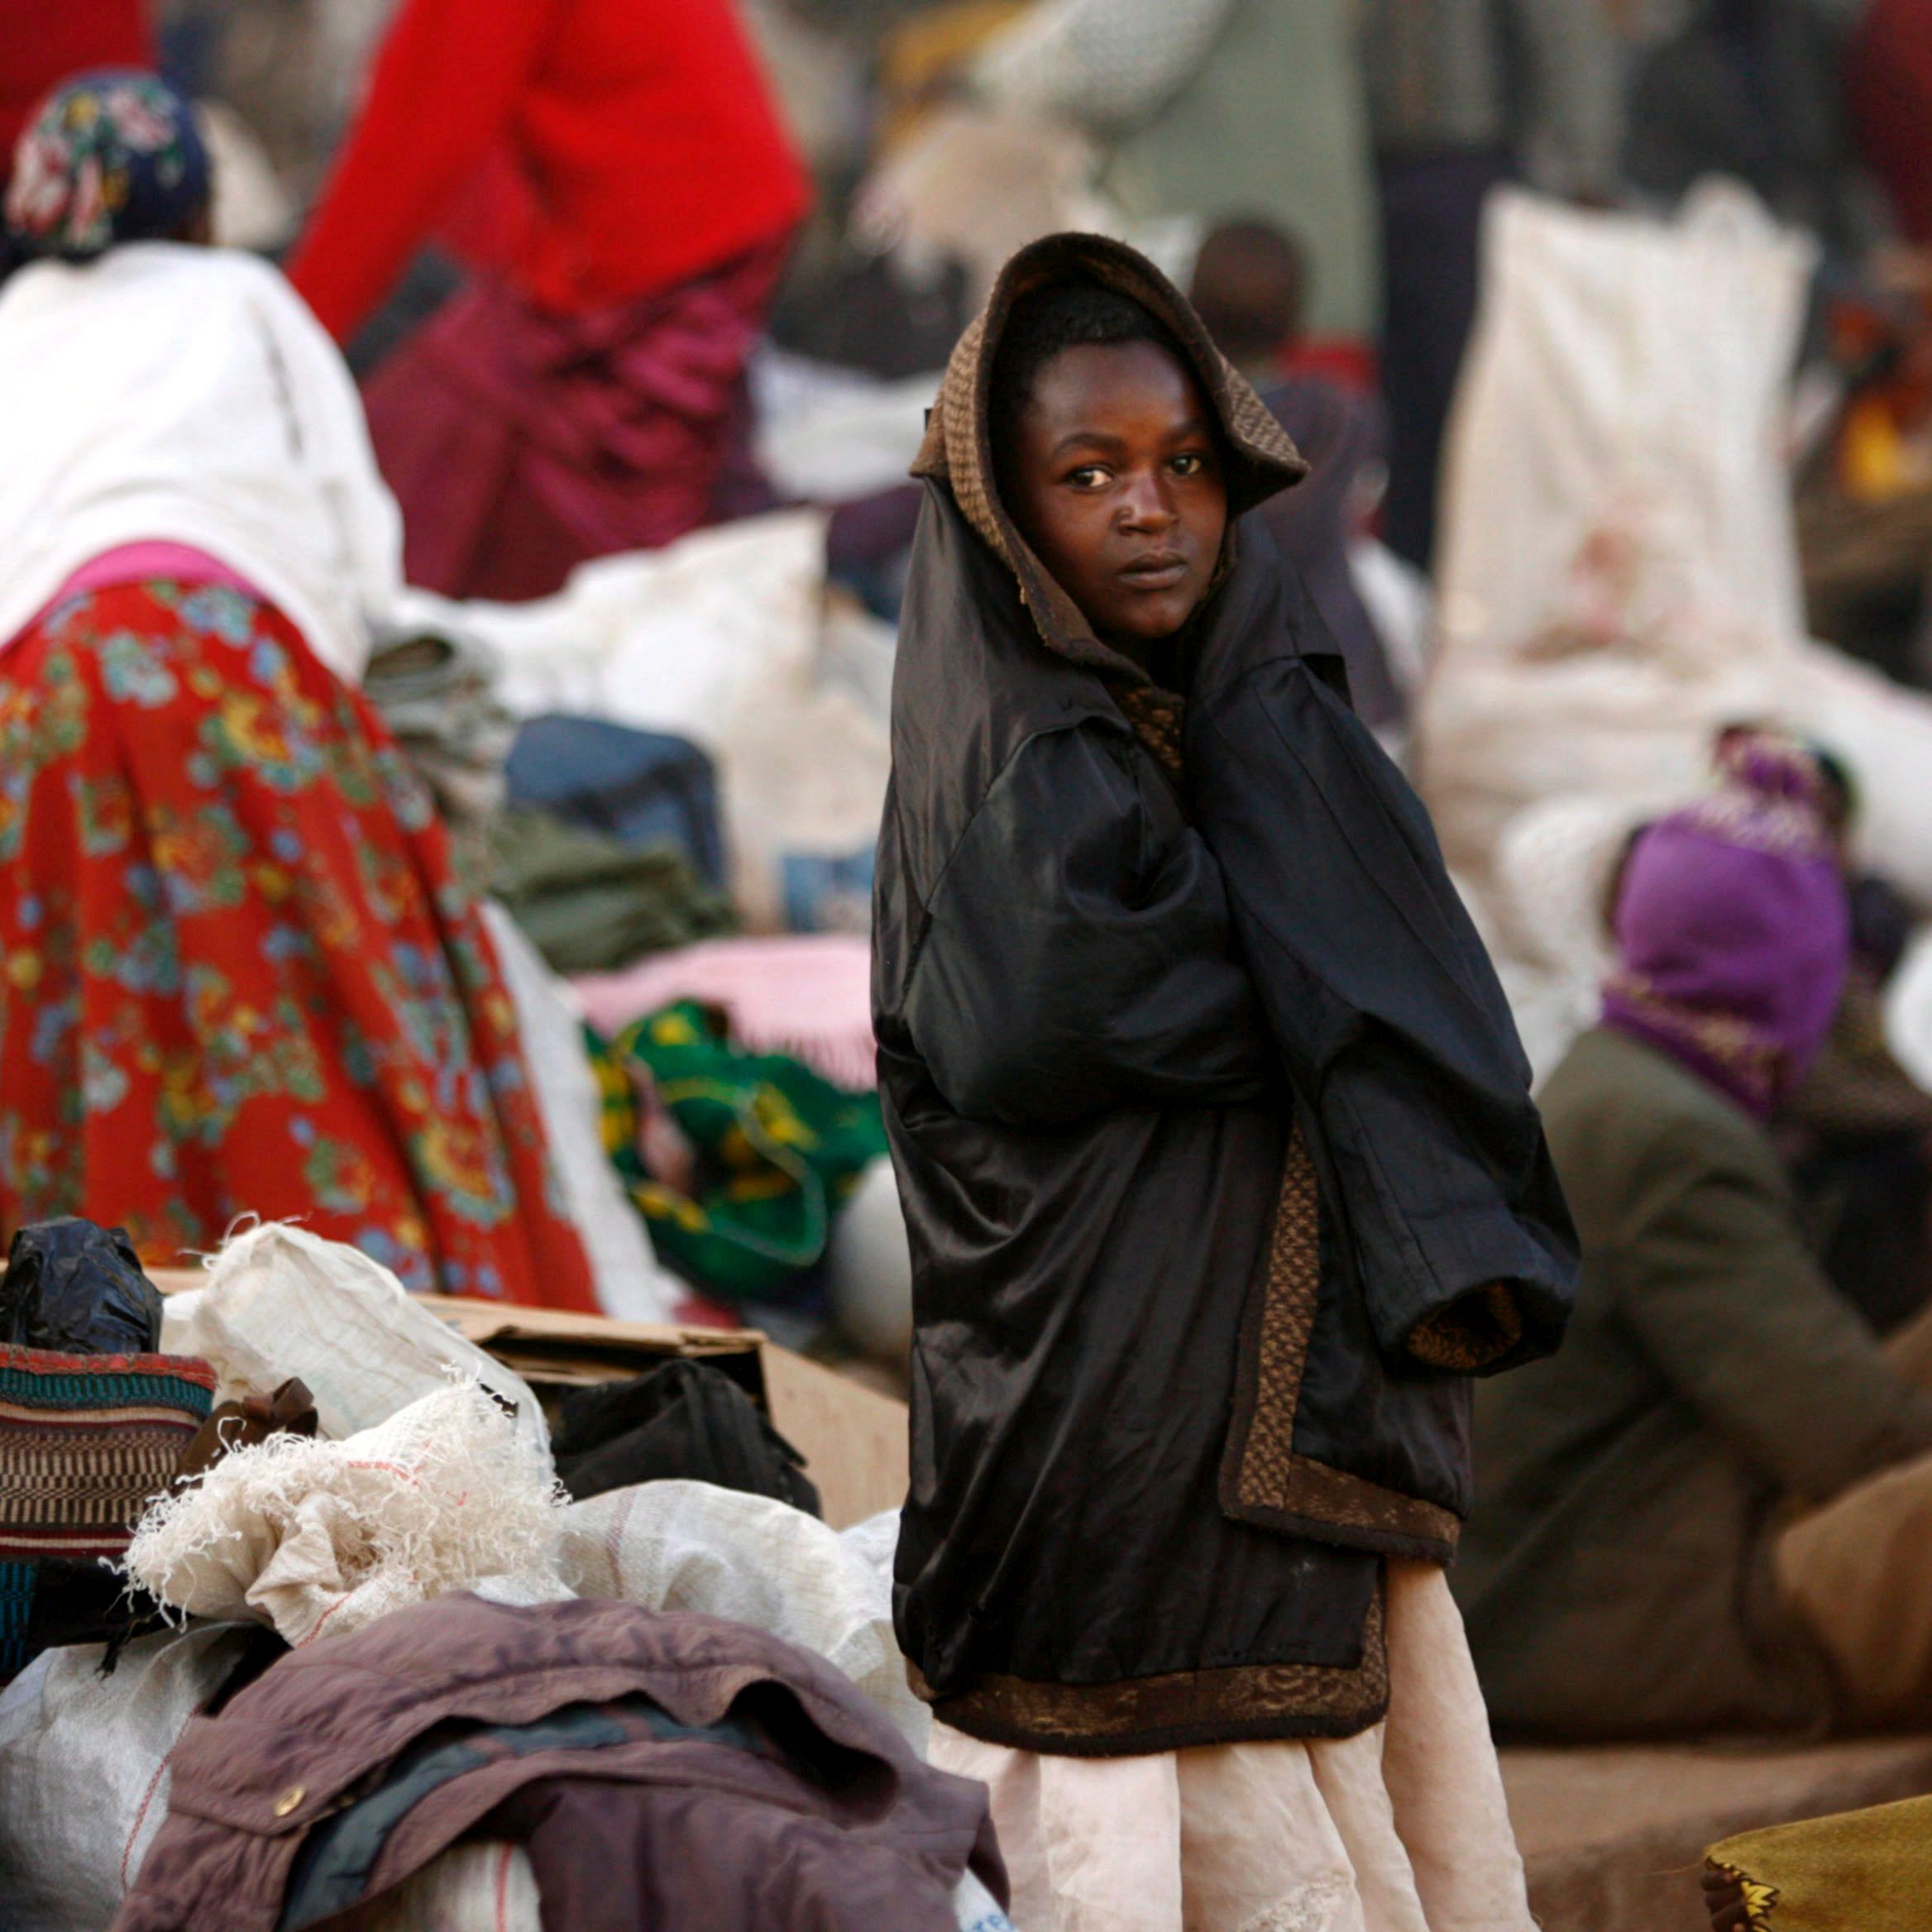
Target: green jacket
[{"x": 1615, "y": 1574}]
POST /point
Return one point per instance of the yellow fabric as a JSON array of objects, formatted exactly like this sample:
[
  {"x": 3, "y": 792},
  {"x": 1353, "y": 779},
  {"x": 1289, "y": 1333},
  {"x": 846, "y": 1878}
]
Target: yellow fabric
[{"x": 1860, "y": 1872}]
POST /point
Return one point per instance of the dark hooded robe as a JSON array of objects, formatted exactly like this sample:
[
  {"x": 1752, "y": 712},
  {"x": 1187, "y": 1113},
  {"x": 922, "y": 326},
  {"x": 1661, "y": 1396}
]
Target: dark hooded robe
[{"x": 1210, "y": 1124}]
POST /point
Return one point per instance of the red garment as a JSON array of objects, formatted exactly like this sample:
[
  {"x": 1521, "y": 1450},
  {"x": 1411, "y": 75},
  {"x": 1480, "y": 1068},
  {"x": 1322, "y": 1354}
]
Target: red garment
[
  {"x": 1888, "y": 79},
  {"x": 519, "y": 445},
  {"x": 643, "y": 130},
  {"x": 44, "y": 41},
  {"x": 236, "y": 976}
]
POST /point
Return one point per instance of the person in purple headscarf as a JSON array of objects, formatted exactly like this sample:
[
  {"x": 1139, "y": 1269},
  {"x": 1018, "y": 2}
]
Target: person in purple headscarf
[
  {"x": 1733, "y": 933},
  {"x": 1712, "y": 1511}
]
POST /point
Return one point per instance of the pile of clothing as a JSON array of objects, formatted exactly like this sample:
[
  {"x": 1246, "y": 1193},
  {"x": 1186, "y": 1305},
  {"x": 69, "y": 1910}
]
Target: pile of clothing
[
  {"x": 648, "y": 773},
  {"x": 402, "y": 1673}
]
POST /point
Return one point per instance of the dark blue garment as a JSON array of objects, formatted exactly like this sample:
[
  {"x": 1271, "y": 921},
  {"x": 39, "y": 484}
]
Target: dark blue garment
[
  {"x": 649, "y": 788},
  {"x": 1432, "y": 234}
]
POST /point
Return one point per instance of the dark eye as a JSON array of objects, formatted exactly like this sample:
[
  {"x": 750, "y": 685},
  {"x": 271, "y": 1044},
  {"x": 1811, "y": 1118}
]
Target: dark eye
[
  {"x": 1088, "y": 476},
  {"x": 1189, "y": 463}
]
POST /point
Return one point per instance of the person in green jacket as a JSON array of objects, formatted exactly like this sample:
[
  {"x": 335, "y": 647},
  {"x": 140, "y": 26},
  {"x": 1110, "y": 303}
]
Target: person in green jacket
[
  {"x": 1210, "y": 109},
  {"x": 1712, "y": 1510}
]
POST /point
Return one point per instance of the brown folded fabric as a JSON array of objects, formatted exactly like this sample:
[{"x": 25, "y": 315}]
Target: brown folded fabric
[{"x": 240, "y": 1425}]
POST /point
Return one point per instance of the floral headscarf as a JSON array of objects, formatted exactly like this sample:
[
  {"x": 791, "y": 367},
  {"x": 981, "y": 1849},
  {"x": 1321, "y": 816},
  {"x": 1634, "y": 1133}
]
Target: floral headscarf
[
  {"x": 1733, "y": 927},
  {"x": 111, "y": 155}
]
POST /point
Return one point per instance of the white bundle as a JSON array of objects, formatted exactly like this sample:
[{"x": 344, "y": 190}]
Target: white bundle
[
  {"x": 279, "y": 1301},
  {"x": 301, "y": 1533},
  {"x": 677, "y": 1545}
]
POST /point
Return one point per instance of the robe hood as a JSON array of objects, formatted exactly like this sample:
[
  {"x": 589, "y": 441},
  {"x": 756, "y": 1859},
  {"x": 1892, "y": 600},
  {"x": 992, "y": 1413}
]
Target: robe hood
[{"x": 1262, "y": 459}]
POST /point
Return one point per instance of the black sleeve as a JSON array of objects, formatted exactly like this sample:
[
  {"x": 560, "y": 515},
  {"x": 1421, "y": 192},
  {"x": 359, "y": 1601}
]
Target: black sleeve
[
  {"x": 1389, "y": 1019},
  {"x": 1075, "y": 959}
]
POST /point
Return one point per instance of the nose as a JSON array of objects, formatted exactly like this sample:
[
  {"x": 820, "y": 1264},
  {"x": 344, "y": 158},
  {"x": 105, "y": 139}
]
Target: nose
[{"x": 1147, "y": 505}]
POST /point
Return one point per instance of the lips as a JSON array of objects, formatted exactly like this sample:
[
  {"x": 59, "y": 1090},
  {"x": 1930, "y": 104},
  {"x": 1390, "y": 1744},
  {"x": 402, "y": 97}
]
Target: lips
[{"x": 1160, "y": 570}]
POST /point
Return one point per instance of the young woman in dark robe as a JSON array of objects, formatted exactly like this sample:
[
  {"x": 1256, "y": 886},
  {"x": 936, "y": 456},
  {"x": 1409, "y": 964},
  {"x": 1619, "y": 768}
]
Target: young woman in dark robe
[{"x": 1218, "y": 1160}]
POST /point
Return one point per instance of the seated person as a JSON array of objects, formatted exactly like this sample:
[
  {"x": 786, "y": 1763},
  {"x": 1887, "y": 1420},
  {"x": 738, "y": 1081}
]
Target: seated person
[
  {"x": 1711, "y": 1511},
  {"x": 235, "y": 974},
  {"x": 1249, "y": 289}
]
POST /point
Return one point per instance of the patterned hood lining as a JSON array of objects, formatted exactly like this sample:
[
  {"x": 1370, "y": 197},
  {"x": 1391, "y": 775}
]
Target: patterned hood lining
[{"x": 957, "y": 450}]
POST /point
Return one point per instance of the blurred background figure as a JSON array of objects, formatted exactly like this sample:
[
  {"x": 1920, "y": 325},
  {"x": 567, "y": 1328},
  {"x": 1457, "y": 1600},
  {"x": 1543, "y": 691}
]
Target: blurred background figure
[
  {"x": 1206, "y": 109},
  {"x": 1462, "y": 96},
  {"x": 1754, "y": 90},
  {"x": 1889, "y": 81},
  {"x": 1722, "y": 1450},
  {"x": 617, "y": 176},
  {"x": 1250, "y": 287},
  {"x": 238, "y": 976},
  {"x": 40, "y": 46}
]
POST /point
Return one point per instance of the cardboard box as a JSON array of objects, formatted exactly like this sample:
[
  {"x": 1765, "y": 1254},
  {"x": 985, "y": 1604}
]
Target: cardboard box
[{"x": 854, "y": 1439}]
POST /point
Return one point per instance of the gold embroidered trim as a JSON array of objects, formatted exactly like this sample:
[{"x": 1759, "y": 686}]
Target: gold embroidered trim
[
  {"x": 1480, "y": 1328},
  {"x": 1167, "y": 1712},
  {"x": 1759, "y": 1899},
  {"x": 1263, "y": 1480}
]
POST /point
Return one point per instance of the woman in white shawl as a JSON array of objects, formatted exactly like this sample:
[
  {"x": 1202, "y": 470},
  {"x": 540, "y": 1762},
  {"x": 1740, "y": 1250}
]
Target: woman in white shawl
[{"x": 235, "y": 974}]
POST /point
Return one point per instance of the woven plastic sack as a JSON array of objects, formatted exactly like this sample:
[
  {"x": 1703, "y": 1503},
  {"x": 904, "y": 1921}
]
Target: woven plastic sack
[
  {"x": 688, "y": 1546},
  {"x": 83, "y": 1776},
  {"x": 280, "y": 1302},
  {"x": 483, "y": 1887}
]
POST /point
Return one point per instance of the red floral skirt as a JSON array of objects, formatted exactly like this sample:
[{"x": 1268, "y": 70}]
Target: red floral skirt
[{"x": 236, "y": 976}]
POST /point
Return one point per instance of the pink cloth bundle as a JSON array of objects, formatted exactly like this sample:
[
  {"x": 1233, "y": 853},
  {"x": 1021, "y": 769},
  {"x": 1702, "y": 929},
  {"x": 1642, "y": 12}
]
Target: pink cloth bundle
[{"x": 809, "y": 997}]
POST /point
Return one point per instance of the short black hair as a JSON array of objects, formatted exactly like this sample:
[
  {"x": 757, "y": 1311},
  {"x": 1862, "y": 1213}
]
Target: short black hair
[
  {"x": 1067, "y": 315},
  {"x": 1250, "y": 281}
]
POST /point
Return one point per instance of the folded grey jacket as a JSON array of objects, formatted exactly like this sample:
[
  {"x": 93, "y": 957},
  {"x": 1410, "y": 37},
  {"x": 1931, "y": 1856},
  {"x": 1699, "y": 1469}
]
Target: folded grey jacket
[{"x": 658, "y": 1770}]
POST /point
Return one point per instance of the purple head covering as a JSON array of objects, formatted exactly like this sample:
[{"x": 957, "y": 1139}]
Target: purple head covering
[{"x": 1731, "y": 926}]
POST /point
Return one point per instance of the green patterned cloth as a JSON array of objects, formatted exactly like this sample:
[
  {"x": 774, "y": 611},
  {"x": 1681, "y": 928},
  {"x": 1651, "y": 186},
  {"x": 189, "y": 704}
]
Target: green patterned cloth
[{"x": 779, "y": 1149}]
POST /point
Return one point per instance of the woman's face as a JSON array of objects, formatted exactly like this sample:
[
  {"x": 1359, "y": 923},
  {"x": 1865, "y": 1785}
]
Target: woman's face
[{"x": 1114, "y": 477}]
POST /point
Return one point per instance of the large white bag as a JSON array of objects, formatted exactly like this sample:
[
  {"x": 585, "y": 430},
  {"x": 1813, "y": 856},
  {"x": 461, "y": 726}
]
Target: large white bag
[
  {"x": 1617, "y": 575},
  {"x": 1617, "y": 572},
  {"x": 83, "y": 1770},
  {"x": 689, "y": 1546},
  {"x": 280, "y": 1301}
]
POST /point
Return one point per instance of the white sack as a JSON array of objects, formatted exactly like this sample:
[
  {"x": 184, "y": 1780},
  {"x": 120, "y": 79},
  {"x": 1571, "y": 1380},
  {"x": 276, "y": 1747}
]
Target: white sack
[
  {"x": 666, "y": 640},
  {"x": 303, "y": 1534},
  {"x": 827, "y": 434},
  {"x": 280, "y": 1301},
  {"x": 482, "y": 1888},
  {"x": 1616, "y": 358},
  {"x": 632, "y": 1284},
  {"x": 83, "y": 1772},
  {"x": 1618, "y": 572},
  {"x": 689, "y": 1546}
]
